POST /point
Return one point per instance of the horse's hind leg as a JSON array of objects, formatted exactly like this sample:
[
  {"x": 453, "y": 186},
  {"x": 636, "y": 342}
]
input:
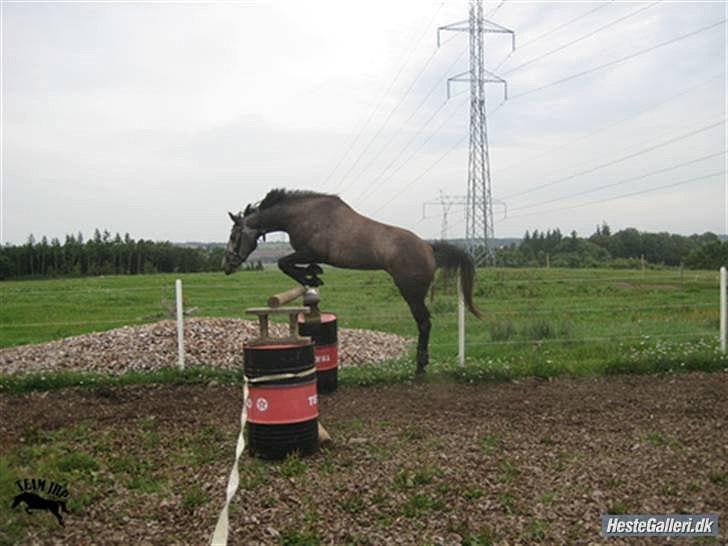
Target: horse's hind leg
[
  {"x": 415, "y": 298},
  {"x": 59, "y": 517}
]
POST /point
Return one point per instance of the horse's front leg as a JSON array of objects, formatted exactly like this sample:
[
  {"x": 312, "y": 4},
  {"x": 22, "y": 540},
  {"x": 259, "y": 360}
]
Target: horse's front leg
[{"x": 305, "y": 275}]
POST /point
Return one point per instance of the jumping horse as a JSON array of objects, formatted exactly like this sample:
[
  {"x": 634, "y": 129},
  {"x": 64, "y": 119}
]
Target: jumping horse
[{"x": 325, "y": 230}]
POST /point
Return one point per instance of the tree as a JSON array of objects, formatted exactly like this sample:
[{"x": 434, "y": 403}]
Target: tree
[{"x": 712, "y": 255}]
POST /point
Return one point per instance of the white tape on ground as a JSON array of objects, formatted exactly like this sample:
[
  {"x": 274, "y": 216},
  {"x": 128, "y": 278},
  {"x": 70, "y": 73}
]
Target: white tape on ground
[{"x": 220, "y": 535}]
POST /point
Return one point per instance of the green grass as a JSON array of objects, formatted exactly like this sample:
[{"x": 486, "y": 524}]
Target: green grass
[
  {"x": 194, "y": 497},
  {"x": 300, "y": 538},
  {"x": 88, "y": 460},
  {"x": 419, "y": 506},
  {"x": 292, "y": 466},
  {"x": 489, "y": 444},
  {"x": 537, "y": 322},
  {"x": 409, "y": 479},
  {"x": 19, "y": 383}
]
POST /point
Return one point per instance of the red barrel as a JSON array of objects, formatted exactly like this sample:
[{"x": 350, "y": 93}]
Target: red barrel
[
  {"x": 282, "y": 413},
  {"x": 325, "y": 336}
]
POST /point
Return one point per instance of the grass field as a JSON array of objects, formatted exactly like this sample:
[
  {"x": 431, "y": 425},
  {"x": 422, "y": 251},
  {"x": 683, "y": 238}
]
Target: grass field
[
  {"x": 527, "y": 461},
  {"x": 540, "y": 322}
]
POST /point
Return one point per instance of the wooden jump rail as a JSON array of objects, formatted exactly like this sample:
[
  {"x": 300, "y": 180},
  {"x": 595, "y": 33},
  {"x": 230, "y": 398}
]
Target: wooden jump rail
[
  {"x": 311, "y": 300},
  {"x": 276, "y": 300}
]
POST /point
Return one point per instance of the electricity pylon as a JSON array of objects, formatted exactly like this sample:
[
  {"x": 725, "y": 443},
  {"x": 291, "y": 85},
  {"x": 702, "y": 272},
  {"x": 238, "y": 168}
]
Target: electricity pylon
[
  {"x": 446, "y": 202},
  {"x": 479, "y": 206}
]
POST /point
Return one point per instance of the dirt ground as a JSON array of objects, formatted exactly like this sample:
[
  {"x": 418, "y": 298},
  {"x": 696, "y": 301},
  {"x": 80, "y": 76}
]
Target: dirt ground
[{"x": 523, "y": 462}]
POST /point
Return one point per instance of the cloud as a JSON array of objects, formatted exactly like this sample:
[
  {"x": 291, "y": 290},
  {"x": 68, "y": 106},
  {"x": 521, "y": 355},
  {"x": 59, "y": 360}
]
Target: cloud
[{"x": 157, "y": 118}]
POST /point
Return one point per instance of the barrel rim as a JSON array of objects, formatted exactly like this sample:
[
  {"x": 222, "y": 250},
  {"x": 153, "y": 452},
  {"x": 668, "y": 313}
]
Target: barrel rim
[
  {"x": 325, "y": 317},
  {"x": 278, "y": 346}
]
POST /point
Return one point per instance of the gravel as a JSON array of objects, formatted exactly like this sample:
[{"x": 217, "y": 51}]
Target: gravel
[{"x": 216, "y": 342}]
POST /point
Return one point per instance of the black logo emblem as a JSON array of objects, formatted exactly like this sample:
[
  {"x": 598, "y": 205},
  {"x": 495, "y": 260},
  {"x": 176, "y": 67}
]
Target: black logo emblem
[{"x": 33, "y": 501}]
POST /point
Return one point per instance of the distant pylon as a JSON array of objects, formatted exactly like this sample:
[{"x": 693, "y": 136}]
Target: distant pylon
[
  {"x": 479, "y": 230},
  {"x": 446, "y": 202}
]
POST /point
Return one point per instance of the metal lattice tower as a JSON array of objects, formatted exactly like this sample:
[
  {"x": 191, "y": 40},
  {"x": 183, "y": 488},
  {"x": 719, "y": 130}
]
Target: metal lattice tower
[
  {"x": 446, "y": 202},
  {"x": 479, "y": 204}
]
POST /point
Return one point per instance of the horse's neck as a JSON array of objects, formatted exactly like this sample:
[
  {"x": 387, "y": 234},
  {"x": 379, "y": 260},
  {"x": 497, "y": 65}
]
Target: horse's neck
[{"x": 275, "y": 218}]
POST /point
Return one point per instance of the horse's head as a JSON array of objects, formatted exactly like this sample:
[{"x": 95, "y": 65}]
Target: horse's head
[{"x": 243, "y": 241}]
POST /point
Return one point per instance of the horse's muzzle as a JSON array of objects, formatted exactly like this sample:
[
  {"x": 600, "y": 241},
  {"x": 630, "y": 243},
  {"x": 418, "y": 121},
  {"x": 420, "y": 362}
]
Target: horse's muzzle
[{"x": 230, "y": 262}]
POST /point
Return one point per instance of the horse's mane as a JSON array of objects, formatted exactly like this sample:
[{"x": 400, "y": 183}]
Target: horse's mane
[{"x": 279, "y": 195}]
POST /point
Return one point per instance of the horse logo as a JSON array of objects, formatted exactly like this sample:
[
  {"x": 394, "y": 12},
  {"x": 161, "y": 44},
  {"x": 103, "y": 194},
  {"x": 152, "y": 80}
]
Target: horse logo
[{"x": 36, "y": 502}]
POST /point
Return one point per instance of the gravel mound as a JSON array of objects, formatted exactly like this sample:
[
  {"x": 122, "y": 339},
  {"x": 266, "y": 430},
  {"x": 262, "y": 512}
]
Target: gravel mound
[{"x": 214, "y": 342}]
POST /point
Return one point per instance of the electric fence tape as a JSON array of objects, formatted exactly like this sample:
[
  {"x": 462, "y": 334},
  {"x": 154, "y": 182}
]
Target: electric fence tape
[{"x": 220, "y": 535}]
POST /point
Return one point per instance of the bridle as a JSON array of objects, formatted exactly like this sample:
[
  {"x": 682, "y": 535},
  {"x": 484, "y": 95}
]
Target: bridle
[{"x": 234, "y": 256}]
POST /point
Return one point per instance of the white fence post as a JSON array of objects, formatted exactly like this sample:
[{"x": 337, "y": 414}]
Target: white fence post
[
  {"x": 180, "y": 326},
  {"x": 723, "y": 309},
  {"x": 461, "y": 324}
]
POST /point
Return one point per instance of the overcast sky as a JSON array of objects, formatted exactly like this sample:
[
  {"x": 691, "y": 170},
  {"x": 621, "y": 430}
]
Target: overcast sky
[{"x": 157, "y": 118}]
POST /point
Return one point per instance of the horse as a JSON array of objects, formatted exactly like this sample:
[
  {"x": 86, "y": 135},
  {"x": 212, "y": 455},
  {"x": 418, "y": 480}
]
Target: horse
[
  {"x": 36, "y": 502},
  {"x": 323, "y": 229}
]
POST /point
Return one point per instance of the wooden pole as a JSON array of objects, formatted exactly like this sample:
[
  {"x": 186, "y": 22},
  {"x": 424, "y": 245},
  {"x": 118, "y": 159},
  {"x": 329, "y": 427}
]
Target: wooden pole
[{"x": 282, "y": 298}]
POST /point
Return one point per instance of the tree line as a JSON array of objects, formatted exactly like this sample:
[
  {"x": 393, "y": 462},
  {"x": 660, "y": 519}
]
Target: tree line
[
  {"x": 628, "y": 248},
  {"x": 103, "y": 254}
]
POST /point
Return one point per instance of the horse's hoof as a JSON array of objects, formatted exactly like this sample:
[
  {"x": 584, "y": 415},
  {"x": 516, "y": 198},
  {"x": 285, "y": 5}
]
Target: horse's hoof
[{"x": 314, "y": 282}]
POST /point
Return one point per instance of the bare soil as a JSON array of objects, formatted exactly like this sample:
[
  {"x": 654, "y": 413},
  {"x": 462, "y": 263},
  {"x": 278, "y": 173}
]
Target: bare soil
[{"x": 525, "y": 462}]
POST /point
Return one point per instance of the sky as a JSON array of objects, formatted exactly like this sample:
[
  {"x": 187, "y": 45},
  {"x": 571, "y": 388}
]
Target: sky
[{"x": 156, "y": 118}]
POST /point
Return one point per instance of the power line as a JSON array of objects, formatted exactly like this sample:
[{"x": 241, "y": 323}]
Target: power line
[
  {"x": 374, "y": 184},
  {"x": 583, "y": 37},
  {"x": 386, "y": 120},
  {"x": 619, "y": 160},
  {"x": 422, "y": 175},
  {"x": 563, "y": 25},
  {"x": 620, "y": 60},
  {"x": 429, "y": 167},
  {"x": 520, "y": 163},
  {"x": 386, "y": 93},
  {"x": 622, "y": 196},
  {"x": 624, "y": 181},
  {"x": 600, "y": 201},
  {"x": 394, "y": 134},
  {"x": 495, "y": 9},
  {"x": 547, "y": 33}
]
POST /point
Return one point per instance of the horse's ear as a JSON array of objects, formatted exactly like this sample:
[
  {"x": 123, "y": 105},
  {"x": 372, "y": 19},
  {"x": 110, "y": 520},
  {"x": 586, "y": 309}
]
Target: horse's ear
[
  {"x": 248, "y": 210},
  {"x": 235, "y": 218}
]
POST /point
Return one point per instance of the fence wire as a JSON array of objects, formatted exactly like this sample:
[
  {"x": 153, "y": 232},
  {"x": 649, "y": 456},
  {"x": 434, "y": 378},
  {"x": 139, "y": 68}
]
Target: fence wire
[{"x": 498, "y": 298}]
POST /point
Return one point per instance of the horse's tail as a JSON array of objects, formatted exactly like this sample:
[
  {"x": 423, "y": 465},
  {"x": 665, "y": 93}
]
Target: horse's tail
[{"x": 452, "y": 258}]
